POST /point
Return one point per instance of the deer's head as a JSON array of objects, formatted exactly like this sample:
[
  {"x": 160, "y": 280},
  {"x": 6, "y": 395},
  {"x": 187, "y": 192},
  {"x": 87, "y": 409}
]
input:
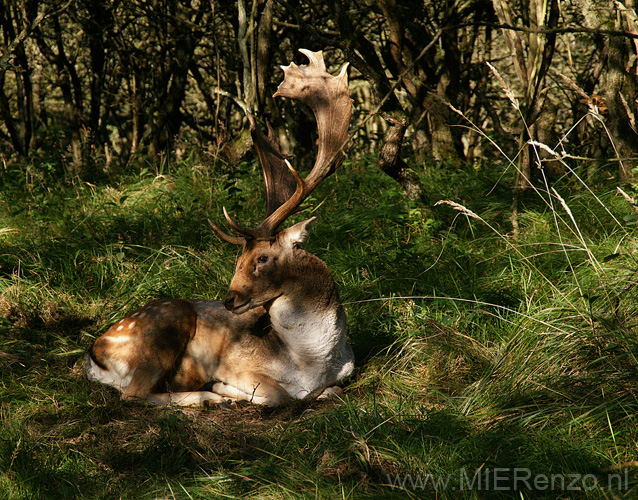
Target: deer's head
[{"x": 268, "y": 257}]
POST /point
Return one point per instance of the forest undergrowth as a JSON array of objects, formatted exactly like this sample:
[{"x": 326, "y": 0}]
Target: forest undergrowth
[{"x": 490, "y": 363}]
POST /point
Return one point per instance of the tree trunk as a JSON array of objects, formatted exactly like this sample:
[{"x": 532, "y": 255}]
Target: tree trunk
[
  {"x": 621, "y": 93},
  {"x": 390, "y": 160},
  {"x": 20, "y": 129}
]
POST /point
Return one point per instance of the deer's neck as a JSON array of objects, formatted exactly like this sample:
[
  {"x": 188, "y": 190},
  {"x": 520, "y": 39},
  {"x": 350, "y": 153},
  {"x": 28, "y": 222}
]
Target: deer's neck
[{"x": 308, "y": 315}]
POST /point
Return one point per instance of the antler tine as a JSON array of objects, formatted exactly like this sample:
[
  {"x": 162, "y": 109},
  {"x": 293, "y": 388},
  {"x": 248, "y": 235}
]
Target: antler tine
[
  {"x": 240, "y": 230},
  {"x": 315, "y": 58},
  {"x": 234, "y": 240}
]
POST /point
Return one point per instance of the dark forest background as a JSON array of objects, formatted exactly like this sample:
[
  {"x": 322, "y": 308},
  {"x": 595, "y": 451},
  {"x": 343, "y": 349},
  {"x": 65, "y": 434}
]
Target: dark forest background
[{"x": 94, "y": 86}]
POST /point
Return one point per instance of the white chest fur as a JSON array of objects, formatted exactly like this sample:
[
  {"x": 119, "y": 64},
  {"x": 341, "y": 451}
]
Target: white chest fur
[{"x": 316, "y": 341}]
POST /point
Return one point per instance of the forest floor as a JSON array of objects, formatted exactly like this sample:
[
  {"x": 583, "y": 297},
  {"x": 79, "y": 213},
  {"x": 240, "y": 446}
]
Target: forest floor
[{"x": 489, "y": 364}]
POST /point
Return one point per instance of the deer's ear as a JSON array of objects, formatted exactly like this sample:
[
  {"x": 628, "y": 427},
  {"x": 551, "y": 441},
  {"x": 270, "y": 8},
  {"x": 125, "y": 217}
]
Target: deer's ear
[{"x": 298, "y": 233}]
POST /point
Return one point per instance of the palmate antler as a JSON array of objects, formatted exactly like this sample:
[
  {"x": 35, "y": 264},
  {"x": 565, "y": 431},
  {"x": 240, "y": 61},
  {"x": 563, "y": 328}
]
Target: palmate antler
[{"x": 329, "y": 99}]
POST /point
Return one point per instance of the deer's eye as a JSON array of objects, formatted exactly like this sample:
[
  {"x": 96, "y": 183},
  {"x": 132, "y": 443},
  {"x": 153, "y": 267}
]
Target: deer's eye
[{"x": 262, "y": 259}]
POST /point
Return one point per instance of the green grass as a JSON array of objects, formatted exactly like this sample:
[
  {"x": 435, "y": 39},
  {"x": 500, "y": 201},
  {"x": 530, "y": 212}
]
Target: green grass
[{"x": 480, "y": 356}]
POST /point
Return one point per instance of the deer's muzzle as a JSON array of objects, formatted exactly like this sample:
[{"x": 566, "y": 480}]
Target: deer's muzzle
[{"x": 236, "y": 302}]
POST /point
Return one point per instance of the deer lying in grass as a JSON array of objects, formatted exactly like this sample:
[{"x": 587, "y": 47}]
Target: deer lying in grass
[{"x": 281, "y": 332}]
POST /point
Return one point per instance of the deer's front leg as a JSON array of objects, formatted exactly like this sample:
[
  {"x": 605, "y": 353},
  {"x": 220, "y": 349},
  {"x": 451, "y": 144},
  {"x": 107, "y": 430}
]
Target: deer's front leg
[
  {"x": 197, "y": 398},
  {"x": 331, "y": 392},
  {"x": 253, "y": 387}
]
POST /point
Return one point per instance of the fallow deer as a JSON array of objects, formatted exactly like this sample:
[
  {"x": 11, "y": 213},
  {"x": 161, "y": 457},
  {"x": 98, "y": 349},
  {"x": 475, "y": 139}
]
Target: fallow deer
[{"x": 281, "y": 331}]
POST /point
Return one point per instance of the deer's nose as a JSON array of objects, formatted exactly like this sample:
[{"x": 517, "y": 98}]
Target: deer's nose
[{"x": 229, "y": 303}]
